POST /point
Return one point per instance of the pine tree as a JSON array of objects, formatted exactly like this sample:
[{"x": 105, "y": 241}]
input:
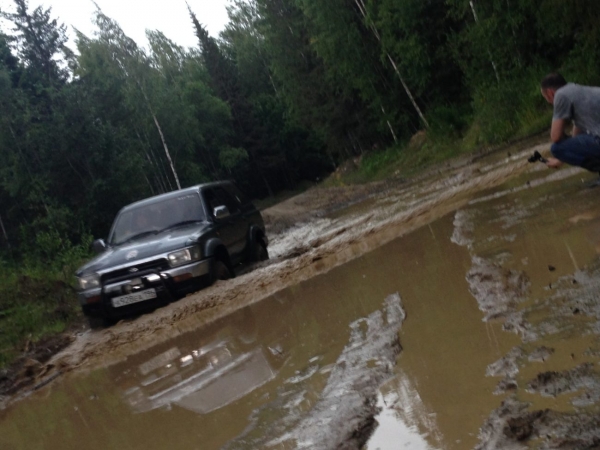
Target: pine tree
[{"x": 225, "y": 82}]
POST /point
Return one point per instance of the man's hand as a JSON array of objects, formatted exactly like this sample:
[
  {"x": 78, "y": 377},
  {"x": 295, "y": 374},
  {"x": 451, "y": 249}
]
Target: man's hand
[{"x": 553, "y": 163}]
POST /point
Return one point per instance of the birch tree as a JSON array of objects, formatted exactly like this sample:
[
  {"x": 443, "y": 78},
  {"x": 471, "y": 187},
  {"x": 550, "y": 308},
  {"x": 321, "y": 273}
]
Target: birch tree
[{"x": 134, "y": 65}]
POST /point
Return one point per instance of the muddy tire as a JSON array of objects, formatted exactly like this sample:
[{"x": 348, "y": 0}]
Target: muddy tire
[
  {"x": 97, "y": 323},
  {"x": 259, "y": 251},
  {"x": 220, "y": 271}
]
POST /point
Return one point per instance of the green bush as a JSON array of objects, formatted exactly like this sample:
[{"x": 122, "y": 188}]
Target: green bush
[
  {"x": 511, "y": 108},
  {"x": 37, "y": 297}
]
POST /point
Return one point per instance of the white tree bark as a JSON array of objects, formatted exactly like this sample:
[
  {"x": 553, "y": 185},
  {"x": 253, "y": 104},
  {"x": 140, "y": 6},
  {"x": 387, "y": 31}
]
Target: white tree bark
[
  {"x": 4, "y": 232},
  {"x": 162, "y": 136},
  {"x": 390, "y": 126},
  {"x": 149, "y": 106},
  {"x": 363, "y": 10},
  {"x": 489, "y": 52}
]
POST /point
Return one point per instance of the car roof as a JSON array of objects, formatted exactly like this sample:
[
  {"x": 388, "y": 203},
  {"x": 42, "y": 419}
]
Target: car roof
[{"x": 174, "y": 194}]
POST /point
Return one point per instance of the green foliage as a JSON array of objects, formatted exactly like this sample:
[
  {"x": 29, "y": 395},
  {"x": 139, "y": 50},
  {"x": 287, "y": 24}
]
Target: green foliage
[
  {"x": 33, "y": 305},
  {"x": 510, "y": 109},
  {"x": 37, "y": 299},
  {"x": 230, "y": 158}
]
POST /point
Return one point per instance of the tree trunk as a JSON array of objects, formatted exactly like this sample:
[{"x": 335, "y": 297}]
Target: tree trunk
[
  {"x": 158, "y": 175},
  {"x": 489, "y": 52},
  {"x": 363, "y": 10},
  {"x": 389, "y": 125},
  {"x": 162, "y": 136},
  {"x": 4, "y": 233}
]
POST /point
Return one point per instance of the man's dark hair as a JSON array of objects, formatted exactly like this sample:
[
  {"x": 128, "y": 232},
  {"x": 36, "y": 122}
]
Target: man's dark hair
[{"x": 553, "y": 81}]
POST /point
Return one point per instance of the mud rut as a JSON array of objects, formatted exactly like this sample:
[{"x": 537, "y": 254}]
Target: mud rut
[{"x": 372, "y": 216}]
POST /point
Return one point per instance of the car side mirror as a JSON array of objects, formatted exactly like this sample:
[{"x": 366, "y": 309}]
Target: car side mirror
[
  {"x": 99, "y": 245},
  {"x": 221, "y": 212}
]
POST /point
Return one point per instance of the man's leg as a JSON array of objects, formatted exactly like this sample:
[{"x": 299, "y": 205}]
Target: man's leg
[{"x": 582, "y": 150}]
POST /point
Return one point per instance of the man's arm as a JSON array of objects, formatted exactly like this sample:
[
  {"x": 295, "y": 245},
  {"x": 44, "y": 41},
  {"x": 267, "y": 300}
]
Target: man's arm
[{"x": 557, "y": 131}]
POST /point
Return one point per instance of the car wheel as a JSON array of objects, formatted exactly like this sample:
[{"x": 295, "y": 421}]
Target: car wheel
[
  {"x": 97, "y": 323},
  {"x": 259, "y": 251},
  {"x": 220, "y": 271}
]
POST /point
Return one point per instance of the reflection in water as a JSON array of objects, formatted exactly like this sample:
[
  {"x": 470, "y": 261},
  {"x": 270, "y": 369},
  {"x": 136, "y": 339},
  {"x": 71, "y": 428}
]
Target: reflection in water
[
  {"x": 205, "y": 380},
  {"x": 346, "y": 404},
  {"x": 404, "y": 418},
  {"x": 202, "y": 374},
  {"x": 226, "y": 384}
]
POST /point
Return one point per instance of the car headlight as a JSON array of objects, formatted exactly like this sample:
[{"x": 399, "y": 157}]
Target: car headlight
[
  {"x": 184, "y": 256},
  {"x": 88, "y": 281}
]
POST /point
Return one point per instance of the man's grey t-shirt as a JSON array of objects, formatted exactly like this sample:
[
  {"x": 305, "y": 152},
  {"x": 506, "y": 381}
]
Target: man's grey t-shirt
[{"x": 581, "y": 104}]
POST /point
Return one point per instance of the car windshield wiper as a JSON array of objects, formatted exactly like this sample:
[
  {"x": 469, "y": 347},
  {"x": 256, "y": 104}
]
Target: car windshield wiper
[
  {"x": 138, "y": 236},
  {"x": 180, "y": 224}
]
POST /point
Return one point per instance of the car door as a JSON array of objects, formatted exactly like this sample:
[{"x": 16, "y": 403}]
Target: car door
[{"x": 231, "y": 229}]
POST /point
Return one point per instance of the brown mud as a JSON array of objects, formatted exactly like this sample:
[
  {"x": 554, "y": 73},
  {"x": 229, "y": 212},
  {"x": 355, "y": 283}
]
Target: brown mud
[
  {"x": 495, "y": 233},
  {"x": 536, "y": 271},
  {"x": 308, "y": 248},
  {"x": 348, "y": 402}
]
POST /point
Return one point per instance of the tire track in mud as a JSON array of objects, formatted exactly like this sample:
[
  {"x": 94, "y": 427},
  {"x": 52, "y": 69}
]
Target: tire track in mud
[
  {"x": 344, "y": 415},
  {"x": 416, "y": 204}
]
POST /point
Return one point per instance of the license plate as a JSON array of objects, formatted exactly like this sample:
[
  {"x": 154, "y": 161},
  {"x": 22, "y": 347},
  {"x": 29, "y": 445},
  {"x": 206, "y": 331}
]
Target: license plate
[{"x": 134, "y": 297}]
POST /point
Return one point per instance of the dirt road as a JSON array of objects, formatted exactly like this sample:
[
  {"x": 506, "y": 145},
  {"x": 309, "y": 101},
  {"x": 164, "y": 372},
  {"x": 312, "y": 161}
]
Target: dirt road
[
  {"x": 304, "y": 241},
  {"x": 317, "y": 231},
  {"x": 309, "y": 243}
]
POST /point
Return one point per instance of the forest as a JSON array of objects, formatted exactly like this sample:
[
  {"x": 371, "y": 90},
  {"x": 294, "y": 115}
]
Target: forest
[{"x": 289, "y": 91}]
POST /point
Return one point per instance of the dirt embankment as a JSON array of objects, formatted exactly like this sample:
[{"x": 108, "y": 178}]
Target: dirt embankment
[{"x": 309, "y": 235}]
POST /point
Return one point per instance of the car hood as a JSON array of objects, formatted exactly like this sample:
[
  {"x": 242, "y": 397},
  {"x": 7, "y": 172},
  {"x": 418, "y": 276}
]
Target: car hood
[{"x": 146, "y": 247}]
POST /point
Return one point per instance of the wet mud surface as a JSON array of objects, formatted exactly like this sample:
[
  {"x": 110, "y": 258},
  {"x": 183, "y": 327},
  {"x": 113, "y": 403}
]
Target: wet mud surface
[
  {"x": 536, "y": 271},
  {"x": 456, "y": 310},
  {"x": 313, "y": 245},
  {"x": 344, "y": 415}
]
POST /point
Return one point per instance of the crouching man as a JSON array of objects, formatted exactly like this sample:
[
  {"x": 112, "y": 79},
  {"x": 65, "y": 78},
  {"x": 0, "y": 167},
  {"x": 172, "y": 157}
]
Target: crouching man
[{"x": 581, "y": 106}]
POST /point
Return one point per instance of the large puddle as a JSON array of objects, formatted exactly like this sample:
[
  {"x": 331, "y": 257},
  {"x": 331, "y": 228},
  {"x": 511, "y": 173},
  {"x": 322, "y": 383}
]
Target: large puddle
[{"x": 311, "y": 366}]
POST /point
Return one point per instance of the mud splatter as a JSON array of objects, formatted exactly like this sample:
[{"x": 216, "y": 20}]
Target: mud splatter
[
  {"x": 513, "y": 426},
  {"x": 540, "y": 354},
  {"x": 516, "y": 323},
  {"x": 508, "y": 384},
  {"x": 463, "y": 228},
  {"x": 508, "y": 365},
  {"x": 498, "y": 291},
  {"x": 582, "y": 377}
]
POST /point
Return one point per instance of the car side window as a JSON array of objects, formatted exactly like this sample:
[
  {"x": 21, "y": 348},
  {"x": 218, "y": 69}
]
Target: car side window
[
  {"x": 236, "y": 193},
  {"x": 228, "y": 200},
  {"x": 218, "y": 197}
]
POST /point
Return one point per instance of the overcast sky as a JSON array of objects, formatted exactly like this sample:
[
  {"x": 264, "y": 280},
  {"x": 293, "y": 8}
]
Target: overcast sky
[{"x": 135, "y": 16}]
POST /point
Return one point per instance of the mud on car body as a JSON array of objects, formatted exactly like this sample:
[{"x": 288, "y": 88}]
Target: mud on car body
[{"x": 169, "y": 245}]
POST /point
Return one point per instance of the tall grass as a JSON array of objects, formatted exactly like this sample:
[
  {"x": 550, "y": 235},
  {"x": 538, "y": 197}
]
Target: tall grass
[
  {"x": 37, "y": 296},
  {"x": 500, "y": 113}
]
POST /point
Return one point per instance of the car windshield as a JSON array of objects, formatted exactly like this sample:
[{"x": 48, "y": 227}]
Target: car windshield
[{"x": 155, "y": 217}]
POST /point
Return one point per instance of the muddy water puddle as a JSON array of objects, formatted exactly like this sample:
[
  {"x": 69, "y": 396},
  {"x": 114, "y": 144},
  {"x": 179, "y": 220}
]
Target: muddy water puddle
[
  {"x": 398, "y": 341},
  {"x": 258, "y": 378}
]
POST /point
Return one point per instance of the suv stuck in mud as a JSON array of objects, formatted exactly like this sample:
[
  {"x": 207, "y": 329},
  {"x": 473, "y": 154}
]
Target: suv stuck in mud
[{"x": 169, "y": 245}]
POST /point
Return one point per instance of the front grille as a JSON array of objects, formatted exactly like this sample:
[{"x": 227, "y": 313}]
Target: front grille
[{"x": 142, "y": 269}]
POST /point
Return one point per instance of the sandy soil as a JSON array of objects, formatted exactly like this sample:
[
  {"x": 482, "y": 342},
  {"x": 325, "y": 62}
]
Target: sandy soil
[{"x": 309, "y": 235}]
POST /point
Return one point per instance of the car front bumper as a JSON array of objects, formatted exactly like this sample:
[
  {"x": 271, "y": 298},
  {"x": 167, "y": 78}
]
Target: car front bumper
[{"x": 166, "y": 282}]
